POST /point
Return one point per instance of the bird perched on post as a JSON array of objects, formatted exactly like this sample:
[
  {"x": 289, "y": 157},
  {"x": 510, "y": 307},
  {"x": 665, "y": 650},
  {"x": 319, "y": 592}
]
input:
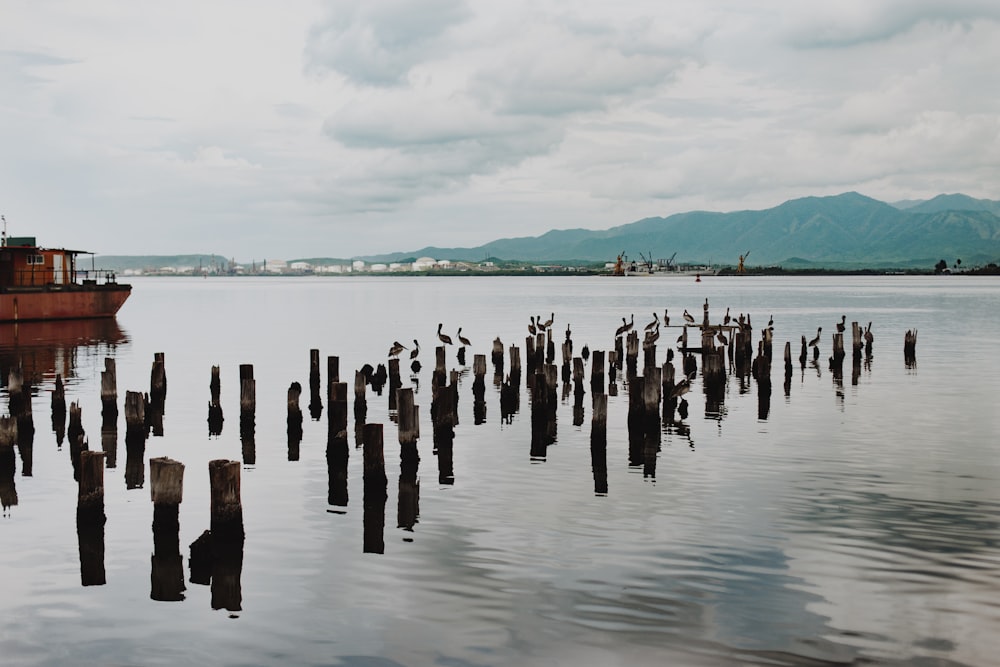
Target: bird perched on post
[
  {"x": 842, "y": 325},
  {"x": 654, "y": 323},
  {"x": 462, "y": 339},
  {"x": 444, "y": 338},
  {"x": 815, "y": 341},
  {"x": 396, "y": 348},
  {"x": 688, "y": 317}
]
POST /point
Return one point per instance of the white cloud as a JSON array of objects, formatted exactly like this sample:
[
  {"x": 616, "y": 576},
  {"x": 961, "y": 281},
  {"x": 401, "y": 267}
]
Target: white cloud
[{"x": 349, "y": 127}]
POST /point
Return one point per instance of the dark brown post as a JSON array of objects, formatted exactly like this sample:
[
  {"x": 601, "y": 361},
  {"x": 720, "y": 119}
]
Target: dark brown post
[
  {"x": 166, "y": 487},
  {"x": 248, "y": 412},
  {"x": 215, "y": 418},
  {"x": 394, "y": 382},
  {"x": 443, "y": 420},
  {"x": 599, "y": 443},
  {"x": 497, "y": 356},
  {"x": 409, "y": 460},
  {"x": 294, "y": 421},
  {"x": 109, "y": 391},
  {"x": 651, "y": 387},
  {"x": 226, "y": 505},
  {"x": 910, "y": 348},
  {"x": 158, "y": 379},
  {"x": 90, "y": 519},
  {"x": 337, "y": 448},
  {"x": 59, "y": 410},
  {"x": 8, "y": 436},
  {"x": 315, "y": 401},
  {"x": 479, "y": 389},
  {"x": 374, "y": 490},
  {"x": 597, "y": 372}
]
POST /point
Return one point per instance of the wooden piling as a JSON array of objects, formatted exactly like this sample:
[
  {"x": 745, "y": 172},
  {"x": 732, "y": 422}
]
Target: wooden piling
[
  {"x": 215, "y": 418},
  {"x": 597, "y": 372},
  {"x": 497, "y": 356},
  {"x": 90, "y": 519},
  {"x": 166, "y": 488},
  {"x": 599, "y": 443},
  {"x": 294, "y": 421},
  {"x": 109, "y": 390},
  {"x": 910, "y": 347},
  {"x": 158, "y": 379},
  {"x": 226, "y": 504}
]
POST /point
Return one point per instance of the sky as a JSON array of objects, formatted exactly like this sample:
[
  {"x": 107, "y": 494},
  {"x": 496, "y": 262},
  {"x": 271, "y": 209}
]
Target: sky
[{"x": 262, "y": 130}]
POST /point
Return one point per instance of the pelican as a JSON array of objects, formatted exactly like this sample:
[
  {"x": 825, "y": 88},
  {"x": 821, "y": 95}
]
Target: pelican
[
  {"x": 654, "y": 323},
  {"x": 688, "y": 317},
  {"x": 416, "y": 349},
  {"x": 842, "y": 324},
  {"x": 625, "y": 327},
  {"x": 815, "y": 341},
  {"x": 548, "y": 322},
  {"x": 585, "y": 352},
  {"x": 532, "y": 329},
  {"x": 722, "y": 337},
  {"x": 651, "y": 336},
  {"x": 770, "y": 322},
  {"x": 462, "y": 339},
  {"x": 541, "y": 325},
  {"x": 666, "y": 318},
  {"x": 869, "y": 337},
  {"x": 444, "y": 338},
  {"x": 726, "y": 319},
  {"x": 396, "y": 348}
]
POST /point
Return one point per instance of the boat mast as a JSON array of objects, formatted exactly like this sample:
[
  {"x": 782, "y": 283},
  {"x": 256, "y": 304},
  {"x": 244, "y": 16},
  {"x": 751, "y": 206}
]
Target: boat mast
[{"x": 3, "y": 240}]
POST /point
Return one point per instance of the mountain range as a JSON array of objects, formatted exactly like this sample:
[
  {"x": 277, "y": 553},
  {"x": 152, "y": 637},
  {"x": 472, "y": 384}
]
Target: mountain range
[
  {"x": 843, "y": 231},
  {"x": 846, "y": 231}
]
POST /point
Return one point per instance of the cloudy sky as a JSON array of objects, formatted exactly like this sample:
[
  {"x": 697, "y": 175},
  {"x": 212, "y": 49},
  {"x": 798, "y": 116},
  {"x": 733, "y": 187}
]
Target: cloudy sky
[{"x": 259, "y": 129}]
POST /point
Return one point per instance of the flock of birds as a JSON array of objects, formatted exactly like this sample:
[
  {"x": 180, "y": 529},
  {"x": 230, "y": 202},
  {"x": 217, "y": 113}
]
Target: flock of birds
[{"x": 651, "y": 333}]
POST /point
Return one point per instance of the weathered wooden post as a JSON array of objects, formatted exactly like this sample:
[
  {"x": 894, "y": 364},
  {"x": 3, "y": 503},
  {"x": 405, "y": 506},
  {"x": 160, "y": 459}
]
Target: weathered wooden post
[
  {"x": 109, "y": 391},
  {"x": 910, "y": 348},
  {"x": 332, "y": 373},
  {"x": 567, "y": 357},
  {"x": 497, "y": 357},
  {"x": 788, "y": 368},
  {"x": 8, "y": 436},
  {"x": 837, "y": 360},
  {"x": 77, "y": 441},
  {"x": 395, "y": 382},
  {"x": 19, "y": 394},
  {"x": 294, "y": 421},
  {"x": 378, "y": 379},
  {"x": 227, "y": 534},
  {"x": 166, "y": 489},
  {"x": 597, "y": 372},
  {"x": 668, "y": 384},
  {"x": 158, "y": 380},
  {"x": 409, "y": 461},
  {"x": 337, "y": 447},
  {"x": 651, "y": 386},
  {"x": 215, "y": 418},
  {"x": 136, "y": 432},
  {"x": 90, "y": 518},
  {"x": 803, "y": 353},
  {"x": 599, "y": 443},
  {"x": 578, "y": 391},
  {"x": 539, "y": 415},
  {"x": 360, "y": 406},
  {"x": 856, "y": 342},
  {"x": 443, "y": 423},
  {"x": 59, "y": 410},
  {"x": 315, "y": 400},
  {"x": 515, "y": 365},
  {"x": 375, "y": 483},
  {"x": 479, "y": 389},
  {"x": 248, "y": 412},
  {"x": 636, "y": 420}
]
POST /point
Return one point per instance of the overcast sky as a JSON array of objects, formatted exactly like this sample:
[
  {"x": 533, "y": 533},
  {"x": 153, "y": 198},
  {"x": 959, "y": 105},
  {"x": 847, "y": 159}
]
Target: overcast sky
[{"x": 262, "y": 129}]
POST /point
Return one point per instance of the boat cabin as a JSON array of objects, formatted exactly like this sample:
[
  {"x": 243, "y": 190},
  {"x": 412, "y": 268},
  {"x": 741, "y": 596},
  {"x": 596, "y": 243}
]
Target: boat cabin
[{"x": 24, "y": 264}]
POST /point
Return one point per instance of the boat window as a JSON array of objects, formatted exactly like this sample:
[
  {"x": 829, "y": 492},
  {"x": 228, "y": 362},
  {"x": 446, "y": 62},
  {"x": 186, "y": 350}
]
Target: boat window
[{"x": 36, "y": 259}]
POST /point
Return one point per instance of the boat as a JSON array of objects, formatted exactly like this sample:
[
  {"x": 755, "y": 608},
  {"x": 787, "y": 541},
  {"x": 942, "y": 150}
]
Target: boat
[{"x": 47, "y": 284}]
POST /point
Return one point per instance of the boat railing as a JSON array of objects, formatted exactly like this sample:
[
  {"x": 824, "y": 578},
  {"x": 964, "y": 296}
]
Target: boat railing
[{"x": 36, "y": 278}]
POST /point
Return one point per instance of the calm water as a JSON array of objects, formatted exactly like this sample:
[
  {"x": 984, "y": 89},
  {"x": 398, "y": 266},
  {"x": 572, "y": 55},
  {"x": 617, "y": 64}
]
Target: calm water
[{"x": 858, "y": 523}]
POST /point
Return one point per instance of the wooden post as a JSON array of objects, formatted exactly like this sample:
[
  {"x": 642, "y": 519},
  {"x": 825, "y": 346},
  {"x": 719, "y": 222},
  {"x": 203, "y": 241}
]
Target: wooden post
[
  {"x": 651, "y": 386},
  {"x": 479, "y": 389},
  {"x": 337, "y": 448},
  {"x": 158, "y": 379},
  {"x": 497, "y": 356},
  {"x": 443, "y": 421},
  {"x": 226, "y": 504},
  {"x": 166, "y": 486},
  {"x": 597, "y": 372},
  {"x": 315, "y": 399},
  {"x": 90, "y": 519},
  {"x": 8, "y": 436},
  {"x": 294, "y": 421},
  {"x": 374, "y": 491},
  {"x": 910, "y": 348},
  {"x": 59, "y": 410},
  {"x": 109, "y": 390},
  {"x": 215, "y": 418},
  {"x": 248, "y": 410},
  {"x": 599, "y": 443}
]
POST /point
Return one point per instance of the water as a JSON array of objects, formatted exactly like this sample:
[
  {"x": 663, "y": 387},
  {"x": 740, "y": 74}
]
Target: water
[{"x": 855, "y": 524}]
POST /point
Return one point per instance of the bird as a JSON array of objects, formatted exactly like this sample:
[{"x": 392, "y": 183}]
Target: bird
[
  {"x": 444, "y": 338},
  {"x": 625, "y": 327},
  {"x": 842, "y": 324},
  {"x": 416, "y": 349},
  {"x": 688, "y": 317},
  {"x": 462, "y": 339},
  {"x": 722, "y": 337},
  {"x": 585, "y": 352},
  {"x": 654, "y": 323},
  {"x": 569, "y": 334},
  {"x": 541, "y": 325},
  {"x": 770, "y": 322},
  {"x": 666, "y": 318},
  {"x": 548, "y": 322},
  {"x": 396, "y": 348},
  {"x": 815, "y": 341},
  {"x": 651, "y": 336},
  {"x": 726, "y": 319},
  {"x": 869, "y": 337},
  {"x": 532, "y": 329}
]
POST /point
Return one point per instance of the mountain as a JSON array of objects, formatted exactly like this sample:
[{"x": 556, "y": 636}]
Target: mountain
[{"x": 847, "y": 230}]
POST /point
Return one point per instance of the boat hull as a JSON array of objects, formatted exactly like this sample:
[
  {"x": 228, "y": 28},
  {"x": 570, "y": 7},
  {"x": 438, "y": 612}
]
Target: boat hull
[{"x": 62, "y": 302}]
